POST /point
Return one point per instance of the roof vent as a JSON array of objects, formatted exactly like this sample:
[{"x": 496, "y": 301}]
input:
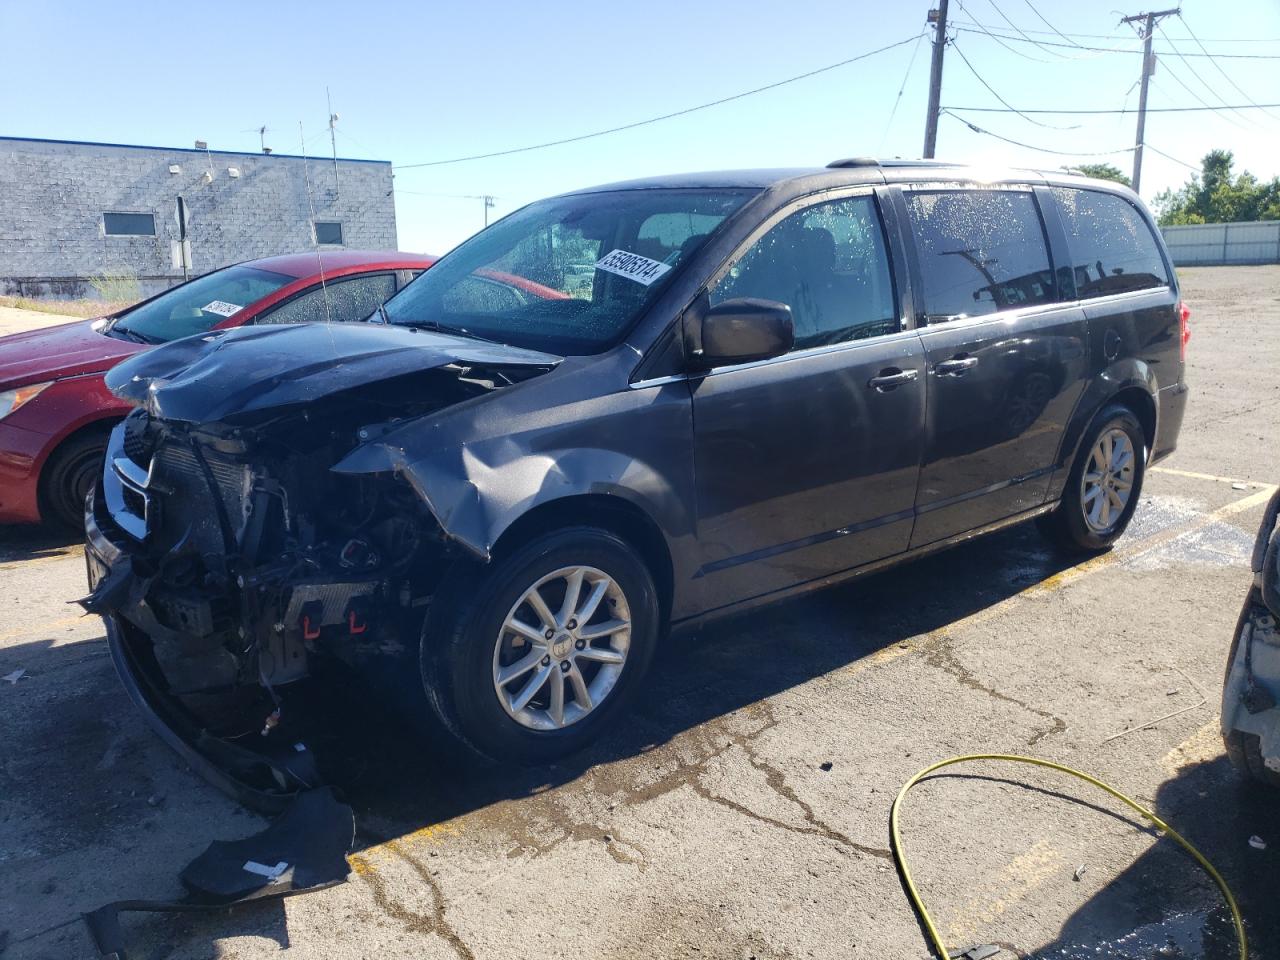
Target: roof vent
[{"x": 854, "y": 162}]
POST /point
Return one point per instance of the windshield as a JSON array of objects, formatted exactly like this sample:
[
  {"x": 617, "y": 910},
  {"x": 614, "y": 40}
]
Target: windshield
[
  {"x": 566, "y": 275},
  {"x": 196, "y": 306}
]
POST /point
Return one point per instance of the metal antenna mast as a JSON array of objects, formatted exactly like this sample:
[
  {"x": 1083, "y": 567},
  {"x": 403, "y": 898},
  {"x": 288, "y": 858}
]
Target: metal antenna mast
[{"x": 333, "y": 144}]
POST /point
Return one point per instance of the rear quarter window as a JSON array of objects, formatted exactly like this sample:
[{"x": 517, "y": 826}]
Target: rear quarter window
[
  {"x": 1112, "y": 247},
  {"x": 344, "y": 299},
  {"x": 981, "y": 251}
]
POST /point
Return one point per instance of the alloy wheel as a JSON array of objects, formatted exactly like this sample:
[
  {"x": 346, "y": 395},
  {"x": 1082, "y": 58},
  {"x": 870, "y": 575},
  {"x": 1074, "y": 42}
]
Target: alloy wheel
[
  {"x": 1107, "y": 481},
  {"x": 562, "y": 648}
]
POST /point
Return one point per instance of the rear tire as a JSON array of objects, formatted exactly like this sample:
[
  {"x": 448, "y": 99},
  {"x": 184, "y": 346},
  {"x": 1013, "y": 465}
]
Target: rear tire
[
  {"x": 1103, "y": 487},
  {"x": 564, "y": 689},
  {"x": 70, "y": 474}
]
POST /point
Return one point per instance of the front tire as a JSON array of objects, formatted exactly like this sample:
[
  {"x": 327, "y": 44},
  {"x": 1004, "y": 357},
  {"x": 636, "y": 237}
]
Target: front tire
[
  {"x": 1244, "y": 750},
  {"x": 1103, "y": 487},
  {"x": 69, "y": 475},
  {"x": 533, "y": 656}
]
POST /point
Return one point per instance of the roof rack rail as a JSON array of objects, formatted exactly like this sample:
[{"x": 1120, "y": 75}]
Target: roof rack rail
[{"x": 854, "y": 162}]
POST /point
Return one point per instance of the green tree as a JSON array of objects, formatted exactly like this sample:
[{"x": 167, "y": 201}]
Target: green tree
[
  {"x": 1217, "y": 195},
  {"x": 1101, "y": 171}
]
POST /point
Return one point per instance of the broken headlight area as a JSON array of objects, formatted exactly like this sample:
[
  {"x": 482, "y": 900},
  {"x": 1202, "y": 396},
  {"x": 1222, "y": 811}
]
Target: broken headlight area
[{"x": 233, "y": 562}]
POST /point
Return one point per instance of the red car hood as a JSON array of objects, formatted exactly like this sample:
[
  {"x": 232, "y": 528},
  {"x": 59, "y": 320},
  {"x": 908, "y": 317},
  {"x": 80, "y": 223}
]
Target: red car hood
[{"x": 65, "y": 350}]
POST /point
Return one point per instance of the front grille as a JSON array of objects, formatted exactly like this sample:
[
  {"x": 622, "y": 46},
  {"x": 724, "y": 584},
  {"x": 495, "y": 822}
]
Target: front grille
[
  {"x": 183, "y": 502},
  {"x": 137, "y": 445},
  {"x": 162, "y": 494}
]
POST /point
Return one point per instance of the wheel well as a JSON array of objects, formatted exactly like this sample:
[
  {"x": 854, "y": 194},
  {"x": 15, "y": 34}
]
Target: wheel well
[
  {"x": 610, "y": 513},
  {"x": 1143, "y": 407},
  {"x": 103, "y": 426}
]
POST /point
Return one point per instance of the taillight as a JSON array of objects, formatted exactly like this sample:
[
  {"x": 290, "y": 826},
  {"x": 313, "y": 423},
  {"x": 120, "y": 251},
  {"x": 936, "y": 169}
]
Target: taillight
[{"x": 1184, "y": 329}]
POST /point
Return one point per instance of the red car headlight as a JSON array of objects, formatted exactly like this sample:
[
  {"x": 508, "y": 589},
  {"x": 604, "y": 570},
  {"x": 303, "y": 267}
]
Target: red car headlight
[{"x": 11, "y": 400}]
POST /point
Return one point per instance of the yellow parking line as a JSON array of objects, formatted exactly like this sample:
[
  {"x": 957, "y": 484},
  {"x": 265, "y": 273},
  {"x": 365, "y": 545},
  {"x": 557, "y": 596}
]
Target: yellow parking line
[
  {"x": 1153, "y": 542},
  {"x": 1192, "y": 475},
  {"x": 42, "y": 627},
  {"x": 1101, "y": 562}
]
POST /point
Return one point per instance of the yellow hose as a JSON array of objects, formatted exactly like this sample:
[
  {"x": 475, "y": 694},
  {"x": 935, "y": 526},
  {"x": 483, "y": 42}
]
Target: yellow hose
[{"x": 918, "y": 904}]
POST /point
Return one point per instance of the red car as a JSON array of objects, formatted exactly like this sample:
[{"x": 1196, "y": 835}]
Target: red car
[{"x": 55, "y": 412}]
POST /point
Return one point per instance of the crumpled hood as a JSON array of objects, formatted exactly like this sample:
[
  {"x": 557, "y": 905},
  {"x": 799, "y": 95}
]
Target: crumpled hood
[
  {"x": 65, "y": 350},
  {"x": 231, "y": 373}
]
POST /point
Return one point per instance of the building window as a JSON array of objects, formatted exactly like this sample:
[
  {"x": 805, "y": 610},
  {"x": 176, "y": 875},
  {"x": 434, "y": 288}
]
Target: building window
[
  {"x": 329, "y": 233},
  {"x": 129, "y": 224}
]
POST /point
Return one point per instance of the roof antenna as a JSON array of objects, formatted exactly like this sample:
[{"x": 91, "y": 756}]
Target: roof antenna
[
  {"x": 333, "y": 144},
  {"x": 324, "y": 290},
  {"x": 208, "y": 174}
]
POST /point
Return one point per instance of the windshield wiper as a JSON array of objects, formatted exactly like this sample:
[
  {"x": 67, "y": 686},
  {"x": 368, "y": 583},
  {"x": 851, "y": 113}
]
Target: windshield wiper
[
  {"x": 435, "y": 326},
  {"x": 132, "y": 335}
]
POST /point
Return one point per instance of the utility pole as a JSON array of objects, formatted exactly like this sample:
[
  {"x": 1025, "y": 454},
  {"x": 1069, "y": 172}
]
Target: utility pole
[
  {"x": 938, "y": 18},
  {"x": 1148, "y": 68},
  {"x": 488, "y": 205}
]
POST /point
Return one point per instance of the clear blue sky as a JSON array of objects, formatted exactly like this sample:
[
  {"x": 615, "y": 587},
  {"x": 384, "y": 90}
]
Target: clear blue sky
[{"x": 427, "y": 81}]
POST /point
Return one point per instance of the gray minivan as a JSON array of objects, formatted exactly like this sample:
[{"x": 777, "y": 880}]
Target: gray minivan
[{"x": 620, "y": 412}]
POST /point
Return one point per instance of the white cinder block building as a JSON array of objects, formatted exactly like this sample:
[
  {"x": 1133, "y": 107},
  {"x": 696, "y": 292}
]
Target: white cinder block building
[{"x": 72, "y": 212}]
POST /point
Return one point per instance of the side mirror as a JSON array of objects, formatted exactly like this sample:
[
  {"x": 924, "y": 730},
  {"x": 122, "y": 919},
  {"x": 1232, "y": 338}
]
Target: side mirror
[{"x": 741, "y": 330}]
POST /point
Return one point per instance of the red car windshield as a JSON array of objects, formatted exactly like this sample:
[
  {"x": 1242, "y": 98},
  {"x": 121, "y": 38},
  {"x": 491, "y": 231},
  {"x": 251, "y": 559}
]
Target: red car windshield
[{"x": 196, "y": 306}]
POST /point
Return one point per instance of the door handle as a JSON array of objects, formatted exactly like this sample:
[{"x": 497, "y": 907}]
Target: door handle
[
  {"x": 955, "y": 366},
  {"x": 891, "y": 377}
]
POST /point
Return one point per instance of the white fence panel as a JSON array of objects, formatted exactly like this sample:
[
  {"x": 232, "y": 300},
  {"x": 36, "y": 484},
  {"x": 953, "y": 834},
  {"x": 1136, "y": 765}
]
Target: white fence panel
[{"x": 1210, "y": 244}]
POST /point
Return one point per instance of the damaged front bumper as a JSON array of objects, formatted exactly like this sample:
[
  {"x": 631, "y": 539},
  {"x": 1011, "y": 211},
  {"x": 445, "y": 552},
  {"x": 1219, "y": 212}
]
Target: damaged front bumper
[
  {"x": 262, "y": 779},
  {"x": 211, "y": 635},
  {"x": 1251, "y": 694}
]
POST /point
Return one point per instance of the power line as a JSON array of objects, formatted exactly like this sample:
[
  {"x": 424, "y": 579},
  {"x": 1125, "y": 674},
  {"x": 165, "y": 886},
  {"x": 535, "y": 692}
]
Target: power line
[
  {"x": 1184, "y": 163},
  {"x": 450, "y": 196},
  {"x": 1018, "y": 30},
  {"x": 1234, "y": 106},
  {"x": 665, "y": 116},
  {"x": 1064, "y": 153},
  {"x": 1194, "y": 72},
  {"x": 977, "y": 23},
  {"x": 1050, "y": 25},
  {"x": 991, "y": 89},
  {"x": 1206, "y": 104},
  {"x": 1112, "y": 36},
  {"x": 1226, "y": 76},
  {"x": 903, "y": 86},
  {"x": 1051, "y": 43},
  {"x": 1018, "y": 143}
]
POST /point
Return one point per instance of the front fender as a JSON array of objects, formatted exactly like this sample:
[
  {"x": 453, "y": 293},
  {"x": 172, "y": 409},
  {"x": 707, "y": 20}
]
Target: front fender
[
  {"x": 480, "y": 466},
  {"x": 478, "y": 490}
]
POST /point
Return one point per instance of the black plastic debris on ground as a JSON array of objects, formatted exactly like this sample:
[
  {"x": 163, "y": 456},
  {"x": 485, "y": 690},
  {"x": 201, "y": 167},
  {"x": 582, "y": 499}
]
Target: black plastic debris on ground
[{"x": 304, "y": 849}]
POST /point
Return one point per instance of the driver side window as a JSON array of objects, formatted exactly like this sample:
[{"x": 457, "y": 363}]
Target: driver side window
[{"x": 829, "y": 264}]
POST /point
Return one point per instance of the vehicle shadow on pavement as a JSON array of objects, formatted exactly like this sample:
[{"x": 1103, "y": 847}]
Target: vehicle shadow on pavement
[
  {"x": 18, "y": 543},
  {"x": 1163, "y": 905},
  {"x": 398, "y": 787}
]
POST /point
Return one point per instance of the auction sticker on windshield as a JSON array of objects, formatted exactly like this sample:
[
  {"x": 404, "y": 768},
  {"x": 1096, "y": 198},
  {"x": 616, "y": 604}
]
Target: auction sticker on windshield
[
  {"x": 222, "y": 308},
  {"x": 632, "y": 266}
]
